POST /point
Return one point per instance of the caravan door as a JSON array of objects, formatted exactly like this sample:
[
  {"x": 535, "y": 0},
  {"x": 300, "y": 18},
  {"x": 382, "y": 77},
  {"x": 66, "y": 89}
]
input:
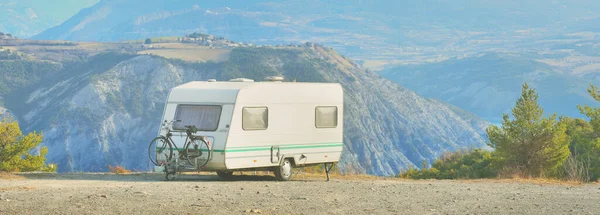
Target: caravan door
[{"x": 275, "y": 155}]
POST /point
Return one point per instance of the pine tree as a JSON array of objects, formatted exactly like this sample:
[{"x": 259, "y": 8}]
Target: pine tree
[
  {"x": 592, "y": 113},
  {"x": 530, "y": 143},
  {"x": 587, "y": 144},
  {"x": 15, "y": 149}
]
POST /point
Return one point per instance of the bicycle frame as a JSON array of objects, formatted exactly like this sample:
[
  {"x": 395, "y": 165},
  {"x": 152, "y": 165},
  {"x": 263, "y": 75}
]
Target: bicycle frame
[
  {"x": 186, "y": 143},
  {"x": 183, "y": 153}
]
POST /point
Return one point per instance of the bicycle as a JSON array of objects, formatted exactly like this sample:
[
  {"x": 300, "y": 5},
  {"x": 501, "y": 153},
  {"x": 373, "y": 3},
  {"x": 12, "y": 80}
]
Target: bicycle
[{"x": 194, "y": 146}]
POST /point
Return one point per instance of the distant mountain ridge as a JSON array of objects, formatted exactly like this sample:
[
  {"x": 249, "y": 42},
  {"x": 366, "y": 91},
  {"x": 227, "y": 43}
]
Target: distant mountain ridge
[
  {"x": 364, "y": 30},
  {"x": 25, "y": 18},
  {"x": 489, "y": 85}
]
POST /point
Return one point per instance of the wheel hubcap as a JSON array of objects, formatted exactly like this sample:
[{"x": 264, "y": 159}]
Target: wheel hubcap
[{"x": 286, "y": 169}]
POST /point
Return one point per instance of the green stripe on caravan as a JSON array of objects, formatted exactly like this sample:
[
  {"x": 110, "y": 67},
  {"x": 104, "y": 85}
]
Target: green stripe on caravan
[
  {"x": 298, "y": 146},
  {"x": 260, "y": 148},
  {"x": 179, "y": 149}
]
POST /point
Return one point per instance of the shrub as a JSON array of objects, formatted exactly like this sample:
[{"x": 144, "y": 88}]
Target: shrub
[
  {"x": 118, "y": 169},
  {"x": 455, "y": 165},
  {"x": 576, "y": 170},
  {"x": 425, "y": 173},
  {"x": 16, "y": 150},
  {"x": 585, "y": 139}
]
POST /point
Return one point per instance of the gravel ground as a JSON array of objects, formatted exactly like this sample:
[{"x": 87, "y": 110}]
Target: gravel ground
[{"x": 205, "y": 194}]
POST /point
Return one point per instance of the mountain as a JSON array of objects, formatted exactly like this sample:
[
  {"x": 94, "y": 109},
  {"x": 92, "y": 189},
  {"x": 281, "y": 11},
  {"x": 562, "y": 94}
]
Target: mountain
[
  {"x": 375, "y": 32},
  {"x": 104, "y": 109},
  {"x": 25, "y": 18},
  {"x": 488, "y": 85}
]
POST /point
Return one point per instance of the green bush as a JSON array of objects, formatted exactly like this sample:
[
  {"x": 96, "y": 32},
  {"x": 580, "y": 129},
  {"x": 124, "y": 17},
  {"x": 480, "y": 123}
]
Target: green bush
[
  {"x": 15, "y": 150},
  {"x": 584, "y": 142},
  {"x": 455, "y": 165}
]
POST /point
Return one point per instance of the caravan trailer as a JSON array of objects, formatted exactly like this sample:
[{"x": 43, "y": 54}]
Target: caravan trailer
[{"x": 250, "y": 126}]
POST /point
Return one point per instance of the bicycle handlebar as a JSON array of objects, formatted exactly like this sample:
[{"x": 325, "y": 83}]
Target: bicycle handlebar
[
  {"x": 166, "y": 125},
  {"x": 171, "y": 122},
  {"x": 191, "y": 129}
]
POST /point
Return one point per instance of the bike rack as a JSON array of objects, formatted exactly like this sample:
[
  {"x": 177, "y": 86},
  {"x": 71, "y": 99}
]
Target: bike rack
[{"x": 175, "y": 166}]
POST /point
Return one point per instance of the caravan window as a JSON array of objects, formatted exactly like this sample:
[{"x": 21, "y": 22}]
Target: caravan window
[
  {"x": 326, "y": 117},
  {"x": 204, "y": 117},
  {"x": 255, "y": 118}
]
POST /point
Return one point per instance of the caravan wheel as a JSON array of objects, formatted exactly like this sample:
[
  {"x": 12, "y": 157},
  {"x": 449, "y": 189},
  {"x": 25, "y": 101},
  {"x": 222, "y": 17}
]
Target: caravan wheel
[{"x": 284, "y": 172}]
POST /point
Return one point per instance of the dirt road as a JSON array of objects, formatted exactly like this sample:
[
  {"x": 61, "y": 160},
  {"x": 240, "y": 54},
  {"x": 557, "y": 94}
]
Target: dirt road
[{"x": 149, "y": 194}]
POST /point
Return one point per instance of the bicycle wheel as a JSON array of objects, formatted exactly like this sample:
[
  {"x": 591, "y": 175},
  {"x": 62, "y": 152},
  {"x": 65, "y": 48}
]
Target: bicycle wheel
[
  {"x": 197, "y": 152},
  {"x": 159, "y": 147}
]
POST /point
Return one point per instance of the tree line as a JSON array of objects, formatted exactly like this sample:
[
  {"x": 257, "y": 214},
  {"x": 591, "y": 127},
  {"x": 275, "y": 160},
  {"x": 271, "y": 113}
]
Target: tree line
[{"x": 528, "y": 144}]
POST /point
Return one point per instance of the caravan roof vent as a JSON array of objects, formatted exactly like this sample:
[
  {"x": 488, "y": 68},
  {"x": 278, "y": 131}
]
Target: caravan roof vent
[
  {"x": 212, "y": 80},
  {"x": 241, "y": 80},
  {"x": 274, "y": 78}
]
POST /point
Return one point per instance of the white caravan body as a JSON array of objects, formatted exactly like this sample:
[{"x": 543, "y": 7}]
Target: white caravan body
[{"x": 257, "y": 125}]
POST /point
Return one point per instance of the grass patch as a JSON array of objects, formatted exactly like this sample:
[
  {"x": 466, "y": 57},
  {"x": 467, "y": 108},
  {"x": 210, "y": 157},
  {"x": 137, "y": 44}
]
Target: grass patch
[
  {"x": 16, "y": 188},
  {"x": 530, "y": 180},
  {"x": 10, "y": 176}
]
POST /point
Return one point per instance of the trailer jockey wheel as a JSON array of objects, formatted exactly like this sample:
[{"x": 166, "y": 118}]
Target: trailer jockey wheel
[
  {"x": 170, "y": 176},
  {"x": 284, "y": 172},
  {"x": 225, "y": 175}
]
